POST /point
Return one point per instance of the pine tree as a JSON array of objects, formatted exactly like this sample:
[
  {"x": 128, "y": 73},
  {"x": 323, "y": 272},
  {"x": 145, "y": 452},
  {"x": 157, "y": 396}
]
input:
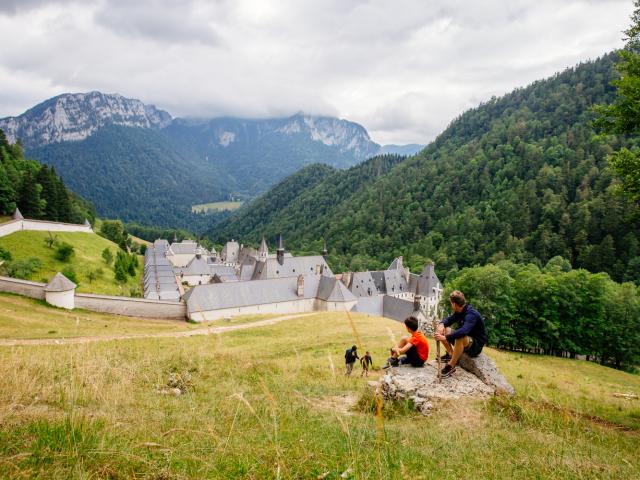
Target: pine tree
[{"x": 29, "y": 200}]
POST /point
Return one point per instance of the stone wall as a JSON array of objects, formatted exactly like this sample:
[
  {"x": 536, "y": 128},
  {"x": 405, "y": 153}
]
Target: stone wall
[
  {"x": 296, "y": 306},
  {"x": 22, "y": 287},
  {"x": 40, "y": 225},
  {"x": 135, "y": 307},
  {"x": 10, "y": 227}
]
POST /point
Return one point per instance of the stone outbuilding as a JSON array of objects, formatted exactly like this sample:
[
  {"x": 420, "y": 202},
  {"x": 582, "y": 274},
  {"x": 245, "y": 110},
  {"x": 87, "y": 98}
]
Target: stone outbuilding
[{"x": 60, "y": 292}]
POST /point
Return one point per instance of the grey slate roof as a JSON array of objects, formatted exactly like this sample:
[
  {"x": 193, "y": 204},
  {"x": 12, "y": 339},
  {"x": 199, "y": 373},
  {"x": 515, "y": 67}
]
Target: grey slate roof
[
  {"x": 216, "y": 296},
  {"x": 395, "y": 282},
  {"x": 197, "y": 266},
  {"x": 159, "y": 277},
  {"x": 186, "y": 247},
  {"x": 424, "y": 283},
  {"x": 363, "y": 285},
  {"x": 59, "y": 283},
  {"x": 222, "y": 269},
  {"x": 396, "y": 308},
  {"x": 291, "y": 267},
  {"x": 331, "y": 289}
]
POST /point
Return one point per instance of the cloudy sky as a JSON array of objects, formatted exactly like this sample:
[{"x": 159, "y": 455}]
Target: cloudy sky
[{"x": 402, "y": 68}]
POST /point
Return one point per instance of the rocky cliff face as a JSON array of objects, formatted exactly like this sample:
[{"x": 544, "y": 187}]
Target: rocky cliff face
[
  {"x": 76, "y": 116},
  {"x": 347, "y": 137}
]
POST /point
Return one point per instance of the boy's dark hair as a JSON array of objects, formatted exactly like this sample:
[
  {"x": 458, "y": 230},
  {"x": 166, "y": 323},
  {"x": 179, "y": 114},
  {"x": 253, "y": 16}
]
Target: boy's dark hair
[
  {"x": 457, "y": 297},
  {"x": 354, "y": 348},
  {"x": 411, "y": 323}
]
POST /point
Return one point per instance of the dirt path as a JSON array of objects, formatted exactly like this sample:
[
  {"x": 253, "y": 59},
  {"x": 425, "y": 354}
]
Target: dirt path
[{"x": 186, "y": 333}]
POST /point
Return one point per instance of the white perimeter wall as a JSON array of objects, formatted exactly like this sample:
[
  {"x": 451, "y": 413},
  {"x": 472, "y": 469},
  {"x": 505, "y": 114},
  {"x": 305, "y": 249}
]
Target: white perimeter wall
[
  {"x": 38, "y": 225},
  {"x": 135, "y": 307},
  {"x": 304, "y": 305},
  {"x": 22, "y": 287},
  {"x": 296, "y": 306}
]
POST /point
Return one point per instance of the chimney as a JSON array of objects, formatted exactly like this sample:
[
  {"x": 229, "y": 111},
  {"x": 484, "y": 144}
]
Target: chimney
[
  {"x": 346, "y": 279},
  {"x": 280, "y": 251},
  {"x": 300, "y": 286},
  {"x": 324, "y": 251}
]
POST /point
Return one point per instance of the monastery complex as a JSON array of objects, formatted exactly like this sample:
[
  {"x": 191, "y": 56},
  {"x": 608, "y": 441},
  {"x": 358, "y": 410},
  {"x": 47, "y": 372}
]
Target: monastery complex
[{"x": 240, "y": 280}]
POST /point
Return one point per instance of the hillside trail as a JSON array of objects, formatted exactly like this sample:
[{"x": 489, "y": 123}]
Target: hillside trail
[{"x": 186, "y": 333}]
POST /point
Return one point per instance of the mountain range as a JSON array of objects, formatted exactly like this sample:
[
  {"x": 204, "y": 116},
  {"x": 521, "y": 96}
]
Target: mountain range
[
  {"x": 523, "y": 177},
  {"x": 138, "y": 163}
]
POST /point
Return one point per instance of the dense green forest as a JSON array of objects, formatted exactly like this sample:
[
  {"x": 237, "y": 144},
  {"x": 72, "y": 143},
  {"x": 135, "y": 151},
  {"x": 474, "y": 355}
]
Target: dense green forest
[
  {"x": 136, "y": 174},
  {"x": 556, "y": 310},
  {"x": 523, "y": 177},
  {"x": 36, "y": 189}
]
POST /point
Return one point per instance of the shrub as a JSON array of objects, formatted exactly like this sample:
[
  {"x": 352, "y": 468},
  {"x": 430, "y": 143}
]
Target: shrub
[
  {"x": 70, "y": 273},
  {"x": 107, "y": 256},
  {"x": 5, "y": 254},
  {"x": 23, "y": 268},
  {"x": 64, "y": 252}
]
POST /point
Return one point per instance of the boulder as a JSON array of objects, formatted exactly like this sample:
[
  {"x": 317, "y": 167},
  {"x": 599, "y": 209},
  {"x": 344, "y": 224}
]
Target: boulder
[
  {"x": 421, "y": 386},
  {"x": 485, "y": 369}
]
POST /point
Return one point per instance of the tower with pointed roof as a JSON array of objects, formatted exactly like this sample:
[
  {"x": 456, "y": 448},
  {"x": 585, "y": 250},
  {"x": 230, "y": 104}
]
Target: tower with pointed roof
[
  {"x": 280, "y": 251},
  {"x": 263, "y": 251},
  {"x": 17, "y": 215}
]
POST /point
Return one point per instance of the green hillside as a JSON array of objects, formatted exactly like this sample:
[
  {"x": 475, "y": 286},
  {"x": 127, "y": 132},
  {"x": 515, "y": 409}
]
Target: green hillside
[
  {"x": 522, "y": 177},
  {"x": 256, "y": 407},
  {"x": 87, "y": 257}
]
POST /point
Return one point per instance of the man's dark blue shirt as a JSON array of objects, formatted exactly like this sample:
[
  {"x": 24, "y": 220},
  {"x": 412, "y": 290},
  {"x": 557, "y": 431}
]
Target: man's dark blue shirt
[{"x": 470, "y": 322}]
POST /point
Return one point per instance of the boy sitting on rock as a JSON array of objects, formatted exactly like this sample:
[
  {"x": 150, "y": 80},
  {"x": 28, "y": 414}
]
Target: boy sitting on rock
[{"x": 412, "y": 350}]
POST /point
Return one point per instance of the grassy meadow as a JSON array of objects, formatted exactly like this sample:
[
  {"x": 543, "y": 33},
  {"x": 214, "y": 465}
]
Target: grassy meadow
[
  {"x": 272, "y": 402},
  {"x": 87, "y": 257},
  {"x": 215, "y": 207},
  {"x": 45, "y": 322}
]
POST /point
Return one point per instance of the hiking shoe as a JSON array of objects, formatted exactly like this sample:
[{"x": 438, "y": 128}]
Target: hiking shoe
[
  {"x": 447, "y": 371},
  {"x": 445, "y": 358}
]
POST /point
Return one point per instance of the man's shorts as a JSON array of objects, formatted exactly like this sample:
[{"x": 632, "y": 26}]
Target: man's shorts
[{"x": 475, "y": 347}]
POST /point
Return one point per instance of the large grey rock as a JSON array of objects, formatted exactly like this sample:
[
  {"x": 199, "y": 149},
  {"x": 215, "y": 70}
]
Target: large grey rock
[
  {"x": 485, "y": 369},
  {"x": 421, "y": 386}
]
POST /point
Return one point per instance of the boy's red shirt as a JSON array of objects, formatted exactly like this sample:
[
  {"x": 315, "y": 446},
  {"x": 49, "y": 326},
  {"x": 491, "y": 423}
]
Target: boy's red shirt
[{"x": 419, "y": 341}]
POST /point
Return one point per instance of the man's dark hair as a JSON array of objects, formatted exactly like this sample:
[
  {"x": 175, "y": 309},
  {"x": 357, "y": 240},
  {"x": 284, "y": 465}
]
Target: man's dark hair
[
  {"x": 411, "y": 323},
  {"x": 354, "y": 348},
  {"x": 457, "y": 297}
]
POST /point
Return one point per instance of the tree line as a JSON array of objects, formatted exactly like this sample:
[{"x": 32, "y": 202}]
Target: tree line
[
  {"x": 36, "y": 189},
  {"x": 555, "y": 310}
]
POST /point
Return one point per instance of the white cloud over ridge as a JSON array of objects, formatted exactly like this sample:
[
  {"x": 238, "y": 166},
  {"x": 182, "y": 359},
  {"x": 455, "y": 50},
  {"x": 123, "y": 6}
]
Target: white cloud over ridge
[{"x": 403, "y": 69}]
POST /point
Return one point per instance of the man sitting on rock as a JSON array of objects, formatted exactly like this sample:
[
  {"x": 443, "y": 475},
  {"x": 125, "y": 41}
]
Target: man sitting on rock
[
  {"x": 412, "y": 350},
  {"x": 469, "y": 338}
]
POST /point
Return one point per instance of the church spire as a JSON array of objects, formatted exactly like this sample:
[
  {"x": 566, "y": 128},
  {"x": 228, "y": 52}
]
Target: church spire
[
  {"x": 263, "y": 251},
  {"x": 280, "y": 250}
]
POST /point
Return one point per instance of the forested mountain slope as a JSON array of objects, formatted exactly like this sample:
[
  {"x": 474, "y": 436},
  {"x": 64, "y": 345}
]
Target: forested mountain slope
[
  {"x": 523, "y": 176},
  {"x": 36, "y": 189},
  {"x": 137, "y": 163},
  {"x": 311, "y": 195}
]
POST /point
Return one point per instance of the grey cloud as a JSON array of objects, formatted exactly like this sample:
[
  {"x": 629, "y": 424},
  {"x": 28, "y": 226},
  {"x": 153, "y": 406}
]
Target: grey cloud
[
  {"x": 164, "y": 21},
  {"x": 403, "y": 69},
  {"x": 13, "y": 7}
]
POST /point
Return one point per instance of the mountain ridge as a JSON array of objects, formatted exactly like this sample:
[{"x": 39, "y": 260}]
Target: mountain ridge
[
  {"x": 136, "y": 162},
  {"x": 522, "y": 177}
]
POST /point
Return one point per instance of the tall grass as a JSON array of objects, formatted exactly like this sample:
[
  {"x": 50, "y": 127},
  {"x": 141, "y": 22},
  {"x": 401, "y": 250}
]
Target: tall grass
[{"x": 267, "y": 403}]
